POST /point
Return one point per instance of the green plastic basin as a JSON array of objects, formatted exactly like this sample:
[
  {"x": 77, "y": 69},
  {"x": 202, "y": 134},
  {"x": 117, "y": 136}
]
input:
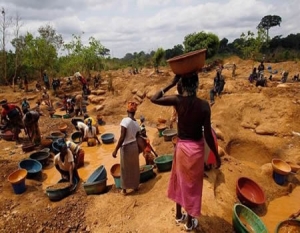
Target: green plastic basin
[
  {"x": 164, "y": 162},
  {"x": 244, "y": 220}
]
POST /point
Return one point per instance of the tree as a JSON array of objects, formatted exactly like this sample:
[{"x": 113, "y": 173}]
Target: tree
[
  {"x": 17, "y": 25},
  {"x": 38, "y": 54},
  {"x": 269, "y": 21},
  {"x": 175, "y": 51},
  {"x": 250, "y": 45},
  {"x": 158, "y": 57},
  {"x": 82, "y": 57},
  {"x": 4, "y": 25},
  {"x": 49, "y": 34},
  {"x": 202, "y": 40}
]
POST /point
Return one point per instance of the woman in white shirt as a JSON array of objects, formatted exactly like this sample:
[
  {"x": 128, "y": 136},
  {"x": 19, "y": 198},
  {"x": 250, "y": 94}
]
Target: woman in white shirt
[
  {"x": 130, "y": 168},
  {"x": 90, "y": 134},
  {"x": 64, "y": 163}
]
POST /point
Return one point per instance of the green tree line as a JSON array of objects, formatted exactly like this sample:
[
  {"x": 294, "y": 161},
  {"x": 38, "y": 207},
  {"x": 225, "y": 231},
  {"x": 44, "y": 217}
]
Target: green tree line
[{"x": 48, "y": 51}]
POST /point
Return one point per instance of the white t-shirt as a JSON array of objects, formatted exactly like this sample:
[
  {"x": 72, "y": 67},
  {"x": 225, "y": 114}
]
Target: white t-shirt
[
  {"x": 132, "y": 127},
  {"x": 65, "y": 166},
  {"x": 81, "y": 125},
  {"x": 88, "y": 133}
]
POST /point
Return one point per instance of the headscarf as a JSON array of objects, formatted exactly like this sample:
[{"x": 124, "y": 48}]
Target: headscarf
[
  {"x": 131, "y": 106},
  {"x": 77, "y": 74}
]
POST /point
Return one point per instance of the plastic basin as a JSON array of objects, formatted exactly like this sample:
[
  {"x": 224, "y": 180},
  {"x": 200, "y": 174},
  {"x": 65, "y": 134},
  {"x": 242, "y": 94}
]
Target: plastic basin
[
  {"x": 40, "y": 156},
  {"x": 96, "y": 187},
  {"x": 188, "y": 62},
  {"x": 146, "y": 173},
  {"x": 55, "y": 147},
  {"x": 115, "y": 170},
  {"x": 160, "y": 128},
  {"x": 32, "y": 166},
  {"x": 63, "y": 128},
  {"x": 46, "y": 142},
  {"x": 164, "y": 162},
  {"x": 290, "y": 225},
  {"x": 161, "y": 120},
  {"x": 57, "y": 194},
  {"x": 57, "y": 135},
  {"x": 249, "y": 192},
  {"x": 76, "y": 137},
  {"x": 281, "y": 167},
  {"x": 7, "y": 135},
  {"x": 17, "y": 176},
  {"x": 99, "y": 174},
  {"x": 28, "y": 147},
  {"x": 174, "y": 140},
  {"x": 294, "y": 166},
  {"x": 107, "y": 138},
  {"x": 244, "y": 220},
  {"x": 169, "y": 134}
]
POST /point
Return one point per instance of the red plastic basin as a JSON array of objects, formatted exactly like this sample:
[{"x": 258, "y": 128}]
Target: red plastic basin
[{"x": 249, "y": 192}]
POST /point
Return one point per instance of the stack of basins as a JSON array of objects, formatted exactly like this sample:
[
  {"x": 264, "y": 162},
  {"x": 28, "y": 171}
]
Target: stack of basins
[{"x": 96, "y": 183}]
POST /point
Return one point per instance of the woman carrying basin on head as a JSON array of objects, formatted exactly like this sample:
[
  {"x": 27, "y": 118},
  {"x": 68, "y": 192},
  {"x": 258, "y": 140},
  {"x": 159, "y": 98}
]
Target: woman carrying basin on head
[{"x": 186, "y": 181}]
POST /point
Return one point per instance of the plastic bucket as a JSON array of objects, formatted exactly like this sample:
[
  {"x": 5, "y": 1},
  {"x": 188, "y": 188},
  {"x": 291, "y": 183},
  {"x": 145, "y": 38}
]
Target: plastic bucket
[
  {"x": 117, "y": 182},
  {"x": 20, "y": 187},
  {"x": 279, "y": 179},
  {"x": 17, "y": 180}
]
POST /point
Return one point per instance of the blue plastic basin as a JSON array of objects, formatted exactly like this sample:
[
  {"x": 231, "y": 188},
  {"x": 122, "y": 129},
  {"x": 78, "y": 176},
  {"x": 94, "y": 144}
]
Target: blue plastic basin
[
  {"x": 98, "y": 175},
  {"x": 107, "y": 138},
  {"x": 32, "y": 166}
]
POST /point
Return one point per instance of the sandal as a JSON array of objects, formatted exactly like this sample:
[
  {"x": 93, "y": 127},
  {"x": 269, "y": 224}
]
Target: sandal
[
  {"x": 183, "y": 218},
  {"x": 194, "y": 225}
]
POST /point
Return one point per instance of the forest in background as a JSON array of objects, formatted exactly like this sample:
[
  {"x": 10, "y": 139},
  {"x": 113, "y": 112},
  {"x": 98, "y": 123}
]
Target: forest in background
[{"x": 33, "y": 55}]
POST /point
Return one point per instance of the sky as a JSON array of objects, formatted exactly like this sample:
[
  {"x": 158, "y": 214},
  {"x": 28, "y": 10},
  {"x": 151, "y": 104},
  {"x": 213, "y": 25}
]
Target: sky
[{"x": 128, "y": 26}]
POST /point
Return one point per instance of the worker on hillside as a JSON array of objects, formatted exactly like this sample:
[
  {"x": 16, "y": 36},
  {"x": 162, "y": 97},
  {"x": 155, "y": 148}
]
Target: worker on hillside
[
  {"x": 84, "y": 83},
  {"x": 64, "y": 163},
  {"x": 46, "y": 98},
  {"x": 219, "y": 83},
  {"x": 11, "y": 116},
  {"x": 25, "y": 105},
  {"x": 78, "y": 153},
  {"x": 79, "y": 125},
  {"x": 233, "y": 70},
  {"x": 94, "y": 122},
  {"x": 90, "y": 134},
  {"x": 78, "y": 105},
  {"x": 46, "y": 80},
  {"x": 31, "y": 123}
]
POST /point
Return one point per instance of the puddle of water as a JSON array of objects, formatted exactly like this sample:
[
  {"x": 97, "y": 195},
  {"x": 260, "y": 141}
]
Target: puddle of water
[
  {"x": 96, "y": 156},
  {"x": 281, "y": 208}
]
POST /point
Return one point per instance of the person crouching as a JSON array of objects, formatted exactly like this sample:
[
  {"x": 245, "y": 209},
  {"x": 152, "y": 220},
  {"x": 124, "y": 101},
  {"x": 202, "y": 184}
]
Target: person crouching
[
  {"x": 90, "y": 134},
  {"x": 78, "y": 153},
  {"x": 64, "y": 163}
]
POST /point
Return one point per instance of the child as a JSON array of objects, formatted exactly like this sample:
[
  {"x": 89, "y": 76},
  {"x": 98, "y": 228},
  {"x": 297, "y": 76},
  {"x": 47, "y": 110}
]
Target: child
[{"x": 149, "y": 157}]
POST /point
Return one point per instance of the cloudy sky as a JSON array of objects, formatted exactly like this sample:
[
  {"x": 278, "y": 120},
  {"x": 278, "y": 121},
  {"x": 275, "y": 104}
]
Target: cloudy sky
[{"x": 128, "y": 26}]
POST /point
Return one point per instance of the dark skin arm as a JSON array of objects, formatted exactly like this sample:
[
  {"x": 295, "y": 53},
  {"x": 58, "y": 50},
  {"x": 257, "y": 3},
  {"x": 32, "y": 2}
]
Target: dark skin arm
[
  {"x": 97, "y": 139},
  {"x": 60, "y": 171},
  {"x": 208, "y": 135},
  {"x": 153, "y": 151},
  {"x": 71, "y": 169},
  {"x": 159, "y": 99},
  {"x": 120, "y": 141}
]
